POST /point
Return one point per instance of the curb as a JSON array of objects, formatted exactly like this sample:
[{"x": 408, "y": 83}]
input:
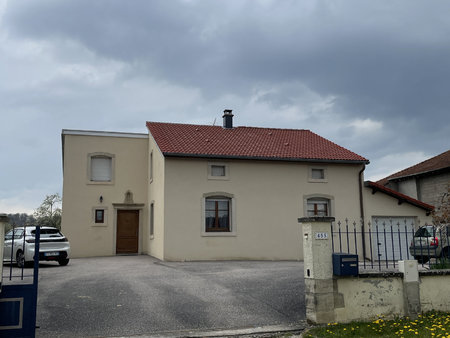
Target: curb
[{"x": 264, "y": 331}]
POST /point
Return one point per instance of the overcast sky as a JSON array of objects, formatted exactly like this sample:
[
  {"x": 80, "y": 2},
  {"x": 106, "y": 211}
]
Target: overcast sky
[{"x": 372, "y": 76}]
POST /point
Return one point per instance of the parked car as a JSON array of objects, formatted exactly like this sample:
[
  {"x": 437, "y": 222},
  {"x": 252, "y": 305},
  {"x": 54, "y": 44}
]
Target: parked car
[
  {"x": 430, "y": 242},
  {"x": 20, "y": 242}
]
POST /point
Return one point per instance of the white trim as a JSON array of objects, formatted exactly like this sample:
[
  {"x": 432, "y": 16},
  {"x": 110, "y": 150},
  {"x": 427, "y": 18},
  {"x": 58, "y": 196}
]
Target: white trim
[{"x": 102, "y": 133}]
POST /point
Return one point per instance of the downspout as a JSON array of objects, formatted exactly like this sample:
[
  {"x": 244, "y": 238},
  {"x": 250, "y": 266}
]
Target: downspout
[{"x": 361, "y": 209}]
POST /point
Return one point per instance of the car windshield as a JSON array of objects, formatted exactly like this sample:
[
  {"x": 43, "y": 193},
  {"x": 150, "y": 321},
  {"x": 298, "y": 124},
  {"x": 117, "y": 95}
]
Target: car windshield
[
  {"x": 424, "y": 232},
  {"x": 17, "y": 234}
]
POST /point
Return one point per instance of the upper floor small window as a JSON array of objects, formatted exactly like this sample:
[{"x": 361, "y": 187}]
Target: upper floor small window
[
  {"x": 101, "y": 168},
  {"x": 317, "y": 174},
  {"x": 218, "y": 171}
]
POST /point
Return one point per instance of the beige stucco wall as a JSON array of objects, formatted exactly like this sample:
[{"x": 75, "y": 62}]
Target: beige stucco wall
[
  {"x": 435, "y": 293},
  {"x": 80, "y": 197},
  {"x": 156, "y": 195},
  {"x": 368, "y": 298},
  {"x": 382, "y": 205},
  {"x": 268, "y": 199}
]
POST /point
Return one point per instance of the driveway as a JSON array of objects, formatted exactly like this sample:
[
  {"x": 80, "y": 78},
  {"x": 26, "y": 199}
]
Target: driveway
[{"x": 137, "y": 295}]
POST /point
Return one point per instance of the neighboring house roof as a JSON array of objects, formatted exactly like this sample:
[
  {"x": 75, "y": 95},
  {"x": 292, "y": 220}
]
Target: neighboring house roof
[
  {"x": 187, "y": 140},
  {"x": 435, "y": 164},
  {"x": 399, "y": 196}
]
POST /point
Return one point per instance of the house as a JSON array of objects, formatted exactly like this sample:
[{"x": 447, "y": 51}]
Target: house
[
  {"x": 199, "y": 192},
  {"x": 427, "y": 181}
]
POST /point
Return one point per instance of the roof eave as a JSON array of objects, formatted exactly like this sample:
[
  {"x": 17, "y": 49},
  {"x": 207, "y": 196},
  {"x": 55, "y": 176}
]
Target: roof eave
[
  {"x": 399, "y": 196},
  {"x": 263, "y": 158},
  {"x": 419, "y": 174}
]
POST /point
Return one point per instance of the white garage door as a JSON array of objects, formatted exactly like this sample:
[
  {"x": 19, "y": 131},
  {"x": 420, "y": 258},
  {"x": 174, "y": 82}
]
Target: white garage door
[{"x": 393, "y": 237}]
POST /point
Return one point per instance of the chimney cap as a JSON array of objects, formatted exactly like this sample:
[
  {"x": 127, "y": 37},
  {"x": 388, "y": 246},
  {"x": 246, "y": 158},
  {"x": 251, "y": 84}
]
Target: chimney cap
[{"x": 227, "y": 111}]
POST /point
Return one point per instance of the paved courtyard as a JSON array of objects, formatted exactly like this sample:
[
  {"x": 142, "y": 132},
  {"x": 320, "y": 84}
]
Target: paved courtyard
[{"x": 139, "y": 295}]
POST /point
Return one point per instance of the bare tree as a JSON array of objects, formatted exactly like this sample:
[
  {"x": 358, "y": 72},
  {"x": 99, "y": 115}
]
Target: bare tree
[
  {"x": 49, "y": 212},
  {"x": 441, "y": 215}
]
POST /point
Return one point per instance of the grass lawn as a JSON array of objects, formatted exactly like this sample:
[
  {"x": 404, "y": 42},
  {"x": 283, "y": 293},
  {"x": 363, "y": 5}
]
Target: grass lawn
[{"x": 431, "y": 324}]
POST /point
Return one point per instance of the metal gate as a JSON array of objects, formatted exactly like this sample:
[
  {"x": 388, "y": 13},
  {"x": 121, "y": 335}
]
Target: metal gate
[{"x": 18, "y": 298}]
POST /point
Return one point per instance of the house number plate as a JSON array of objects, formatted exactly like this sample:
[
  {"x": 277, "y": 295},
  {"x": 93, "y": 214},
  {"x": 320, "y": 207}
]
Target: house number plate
[{"x": 321, "y": 235}]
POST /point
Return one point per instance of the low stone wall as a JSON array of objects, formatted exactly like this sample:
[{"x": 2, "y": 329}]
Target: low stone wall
[
  {"x": 366, "y": 297},
  {"x": 435, "y": 290},
  {"x": 331, "y": 298}
]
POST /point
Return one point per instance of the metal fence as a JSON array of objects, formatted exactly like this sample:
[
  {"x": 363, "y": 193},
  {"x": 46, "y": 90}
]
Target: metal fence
[{"x": 380, "y": 245}]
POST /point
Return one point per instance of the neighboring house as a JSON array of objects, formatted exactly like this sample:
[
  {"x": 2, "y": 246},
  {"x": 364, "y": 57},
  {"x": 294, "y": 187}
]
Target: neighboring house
[
  {"x": 198, "y": 192},
  {"x": 427, "y": 181}
]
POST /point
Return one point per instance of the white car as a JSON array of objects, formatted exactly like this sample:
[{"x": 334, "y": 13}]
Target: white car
[{"x": 20, "y": 241}]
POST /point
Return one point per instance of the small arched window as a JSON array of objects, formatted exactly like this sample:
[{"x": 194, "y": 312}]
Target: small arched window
[
  {"x": 217, "y": 214},
  {"x": 318, "y": 207},
  {"x": 101, "y": 168}
]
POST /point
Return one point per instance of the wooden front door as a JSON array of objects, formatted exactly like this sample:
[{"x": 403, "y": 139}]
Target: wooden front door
[{"x": 127, "y": 241}]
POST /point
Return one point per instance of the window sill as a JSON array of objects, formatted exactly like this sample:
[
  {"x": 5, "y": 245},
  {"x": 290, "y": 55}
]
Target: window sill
[
  {"x": 312, "y": 180},
  {"x": 219, "y": 178},
  {"x": 100, "y": 225},
  {"x": 219, "y": 234},
  {"x": 100, "y": 183}
]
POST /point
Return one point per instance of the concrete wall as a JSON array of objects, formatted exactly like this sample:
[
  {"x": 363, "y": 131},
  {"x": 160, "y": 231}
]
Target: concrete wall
[
  {"x": 435, "y": 292},
  {"x": 81, "y": 197},
  {"x": 367, "y": 298},
  {"x": 408, "y": 187},
  {"x": 268, "y": 198},
  {"x": 432, "y": 188}
]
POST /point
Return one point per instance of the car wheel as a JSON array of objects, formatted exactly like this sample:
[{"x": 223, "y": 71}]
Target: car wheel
[
  {"x": 20, "y": 259},
  {"x": 63, "y": 262},
  {"x": 445, "y": 253},
  {"x": 421, "y": 259}
]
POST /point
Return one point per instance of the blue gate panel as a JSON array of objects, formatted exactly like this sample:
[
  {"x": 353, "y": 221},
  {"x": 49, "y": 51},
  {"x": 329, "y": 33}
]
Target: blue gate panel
[{"x": 12, "y": 312}]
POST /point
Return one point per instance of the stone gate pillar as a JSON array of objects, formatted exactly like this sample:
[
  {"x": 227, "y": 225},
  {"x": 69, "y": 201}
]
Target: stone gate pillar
[{"x": 318, "y": 269}]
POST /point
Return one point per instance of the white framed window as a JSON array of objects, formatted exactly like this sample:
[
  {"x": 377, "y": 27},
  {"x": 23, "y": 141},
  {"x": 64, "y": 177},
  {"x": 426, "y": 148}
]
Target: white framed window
[
  {"x": 218, "y": 171},
  {"x": 218, "y": 214},
  {"x": 101, "y": 168},
  {"x": 317, "y": 174}
]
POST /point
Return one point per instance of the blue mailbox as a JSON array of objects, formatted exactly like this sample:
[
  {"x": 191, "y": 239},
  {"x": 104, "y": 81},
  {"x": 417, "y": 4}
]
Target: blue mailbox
[{"x": 345, "y": 264}]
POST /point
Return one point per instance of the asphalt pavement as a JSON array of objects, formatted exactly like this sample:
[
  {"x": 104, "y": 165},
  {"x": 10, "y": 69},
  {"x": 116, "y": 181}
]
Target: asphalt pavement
[{"x": 142, "y": 296}]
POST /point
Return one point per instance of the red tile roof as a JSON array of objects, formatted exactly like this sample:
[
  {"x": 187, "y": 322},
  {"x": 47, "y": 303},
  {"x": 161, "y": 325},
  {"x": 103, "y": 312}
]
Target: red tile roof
[
  {"x": 188, "y": 140},
  {"x": 401, "y": 197},
  {"x": 436, "y": 163}
]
